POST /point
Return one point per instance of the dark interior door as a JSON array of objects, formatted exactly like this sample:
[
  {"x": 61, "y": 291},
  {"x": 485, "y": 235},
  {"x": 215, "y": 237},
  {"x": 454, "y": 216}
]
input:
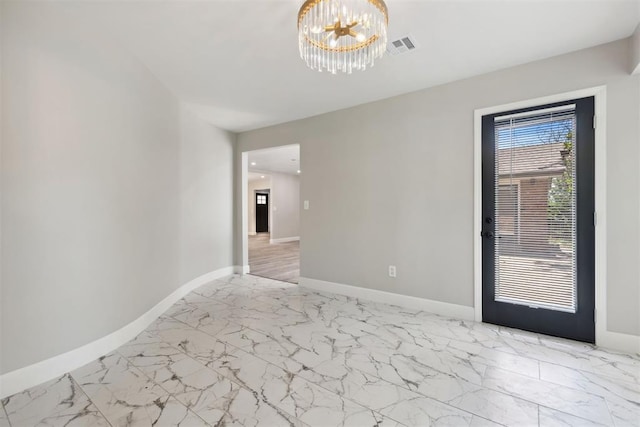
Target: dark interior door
[
  {"x": 262, "y": 212},
  {"x": 538, "y": 233}
]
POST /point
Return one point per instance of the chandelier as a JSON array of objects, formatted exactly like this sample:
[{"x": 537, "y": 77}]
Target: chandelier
[{"x": 342, "y": 35}]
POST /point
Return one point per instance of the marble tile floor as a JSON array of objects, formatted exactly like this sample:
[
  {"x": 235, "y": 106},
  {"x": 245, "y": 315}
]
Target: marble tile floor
[{"x": 249, "y": 351}]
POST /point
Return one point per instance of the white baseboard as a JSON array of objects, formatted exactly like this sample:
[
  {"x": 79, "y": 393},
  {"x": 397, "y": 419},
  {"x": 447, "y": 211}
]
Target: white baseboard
[
  {"x": 436, "y": 307},
  {"x": 46, "y": 370},
  {"x": 252, "y": 233},
  {"x": 240, "y": 269},
  {"x": 618, "y": 341},
  {"x": 285, "y": 239}
]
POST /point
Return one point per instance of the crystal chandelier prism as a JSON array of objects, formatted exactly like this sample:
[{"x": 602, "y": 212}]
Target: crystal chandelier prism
[{"x": 342, "y": 35}]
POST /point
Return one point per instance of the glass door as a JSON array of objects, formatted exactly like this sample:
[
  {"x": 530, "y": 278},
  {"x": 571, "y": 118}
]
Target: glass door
[{"x": 538, "y": 207}]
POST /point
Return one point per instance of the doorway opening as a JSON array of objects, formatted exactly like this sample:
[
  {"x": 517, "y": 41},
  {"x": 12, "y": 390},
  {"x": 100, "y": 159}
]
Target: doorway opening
[{"x": 272, "y": 206}]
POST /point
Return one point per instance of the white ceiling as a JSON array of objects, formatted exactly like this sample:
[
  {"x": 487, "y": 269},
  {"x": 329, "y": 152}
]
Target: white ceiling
[
  {"x": 257, "y": 176},
  {"x": 285, "y": 159},
  {"x": 236, "y": 62}
]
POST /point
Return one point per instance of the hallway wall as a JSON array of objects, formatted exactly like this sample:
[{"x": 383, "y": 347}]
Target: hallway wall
[{"x": 285, "y": 205}]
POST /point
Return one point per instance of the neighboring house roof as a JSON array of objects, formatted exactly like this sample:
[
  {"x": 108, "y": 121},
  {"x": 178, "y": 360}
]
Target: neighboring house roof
[{"x": 543, "y": 159}]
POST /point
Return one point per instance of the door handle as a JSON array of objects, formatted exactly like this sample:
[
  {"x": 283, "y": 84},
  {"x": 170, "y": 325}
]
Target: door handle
[{"x": 489, "y": 235}]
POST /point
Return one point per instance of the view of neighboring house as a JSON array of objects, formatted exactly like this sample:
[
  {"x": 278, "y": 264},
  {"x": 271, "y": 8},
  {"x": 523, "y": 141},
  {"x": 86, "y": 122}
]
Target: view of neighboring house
[{"x": 526, "y": 175}]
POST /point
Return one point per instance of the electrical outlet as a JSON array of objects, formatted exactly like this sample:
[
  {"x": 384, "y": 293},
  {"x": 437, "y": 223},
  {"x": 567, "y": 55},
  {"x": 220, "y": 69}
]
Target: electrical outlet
[{"x": 392, "y": 271}]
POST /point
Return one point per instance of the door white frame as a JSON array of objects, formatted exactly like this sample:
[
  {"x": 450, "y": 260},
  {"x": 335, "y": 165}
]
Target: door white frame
[
  {"x": 603, "y": 336},
  {"x": 244, "y": 212}
]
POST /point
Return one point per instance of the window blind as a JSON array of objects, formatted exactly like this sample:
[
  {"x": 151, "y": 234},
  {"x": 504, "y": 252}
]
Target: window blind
[{"x": 535, "y": 208}]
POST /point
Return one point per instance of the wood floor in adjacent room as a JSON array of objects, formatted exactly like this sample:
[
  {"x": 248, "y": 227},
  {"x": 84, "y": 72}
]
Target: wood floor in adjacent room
[{"x": 279, "y": 261}]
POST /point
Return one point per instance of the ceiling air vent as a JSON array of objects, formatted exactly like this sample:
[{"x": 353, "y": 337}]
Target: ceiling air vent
[{"x": 401, "y": 45}]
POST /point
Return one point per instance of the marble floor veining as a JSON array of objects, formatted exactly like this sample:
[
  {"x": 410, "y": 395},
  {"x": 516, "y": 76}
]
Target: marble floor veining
[{"x": 249, "y": 351}]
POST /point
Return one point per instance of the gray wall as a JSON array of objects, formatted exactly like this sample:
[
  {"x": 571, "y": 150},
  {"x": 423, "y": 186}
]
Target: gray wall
[
  {"x": 206, "y": 192},
  {"x": 285, "y": 193},
  {"x": 635, "y": 49},
  {"x": 1, "y": 137},
  {"x": 111, "y": 196},
  {"x": 391, "y": 182}
]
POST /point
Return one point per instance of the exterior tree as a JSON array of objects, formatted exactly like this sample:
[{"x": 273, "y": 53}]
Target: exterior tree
[{"x": 561, "y": 193}]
